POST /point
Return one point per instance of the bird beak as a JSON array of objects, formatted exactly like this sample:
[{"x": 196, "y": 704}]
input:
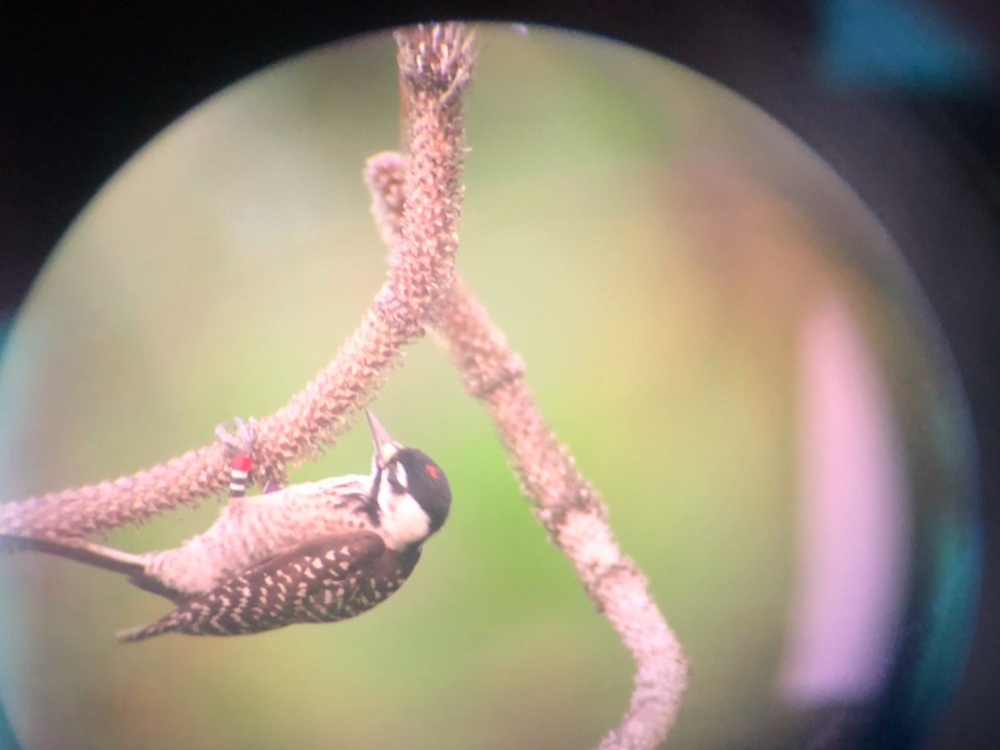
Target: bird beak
[{"x": 385, "y": 446}]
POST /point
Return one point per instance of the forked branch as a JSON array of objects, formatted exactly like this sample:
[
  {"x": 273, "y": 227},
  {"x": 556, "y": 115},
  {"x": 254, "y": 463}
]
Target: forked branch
[
  {"x": 564, "y": 501},
  {"x": 417, "y": 203}
]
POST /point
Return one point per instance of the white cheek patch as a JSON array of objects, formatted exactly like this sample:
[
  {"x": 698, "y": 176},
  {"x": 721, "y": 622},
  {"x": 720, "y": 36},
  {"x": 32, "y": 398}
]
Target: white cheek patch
[{"x": 404, "y": 522}]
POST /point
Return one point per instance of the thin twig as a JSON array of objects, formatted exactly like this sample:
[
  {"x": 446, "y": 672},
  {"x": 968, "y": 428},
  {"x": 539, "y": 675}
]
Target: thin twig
[{"x": 566, "y": 504}]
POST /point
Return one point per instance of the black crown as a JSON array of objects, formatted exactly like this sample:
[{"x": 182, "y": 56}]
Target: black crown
[{"x": 427, "y": 484}]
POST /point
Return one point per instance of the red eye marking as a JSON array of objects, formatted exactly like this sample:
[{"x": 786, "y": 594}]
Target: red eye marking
[{"x": 433, "y": 471}]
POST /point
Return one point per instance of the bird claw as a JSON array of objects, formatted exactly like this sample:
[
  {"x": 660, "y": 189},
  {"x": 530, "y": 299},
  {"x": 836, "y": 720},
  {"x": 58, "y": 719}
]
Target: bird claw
[{"x": 241, "y": 438}]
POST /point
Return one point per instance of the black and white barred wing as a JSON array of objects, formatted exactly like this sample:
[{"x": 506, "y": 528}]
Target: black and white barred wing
[{"x": 322, "y": 580}]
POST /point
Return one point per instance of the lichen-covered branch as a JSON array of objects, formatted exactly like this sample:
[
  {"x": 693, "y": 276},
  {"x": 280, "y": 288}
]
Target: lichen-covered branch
[
  {"x": 564, "y": 501},
  {"x": 435, "y": 66}
]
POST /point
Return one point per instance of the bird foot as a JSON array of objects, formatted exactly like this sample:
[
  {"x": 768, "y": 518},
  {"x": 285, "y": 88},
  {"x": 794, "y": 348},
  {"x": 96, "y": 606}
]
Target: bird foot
[{"x": 241, "y": 438}]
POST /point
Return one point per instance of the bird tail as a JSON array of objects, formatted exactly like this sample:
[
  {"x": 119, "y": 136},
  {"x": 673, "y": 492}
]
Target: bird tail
[
  {"x": 142, "y": 632},
  {"x": 80, "y": 550}
]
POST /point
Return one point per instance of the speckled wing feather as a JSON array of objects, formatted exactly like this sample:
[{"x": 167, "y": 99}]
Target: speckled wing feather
[{"x": 323, "y": 580}]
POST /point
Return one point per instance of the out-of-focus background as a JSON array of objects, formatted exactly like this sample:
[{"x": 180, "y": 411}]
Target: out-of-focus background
[{"x": 682, "y": 278}]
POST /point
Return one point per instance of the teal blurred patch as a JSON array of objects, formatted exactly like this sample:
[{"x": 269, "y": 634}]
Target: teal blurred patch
[
  {"x": 899, "y": 44},
  {"x": 5, "y": 326}
]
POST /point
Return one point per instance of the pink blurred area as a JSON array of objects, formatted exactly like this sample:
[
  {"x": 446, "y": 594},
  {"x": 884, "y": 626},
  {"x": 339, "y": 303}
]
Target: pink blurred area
[{"x": 853, "y": 524}]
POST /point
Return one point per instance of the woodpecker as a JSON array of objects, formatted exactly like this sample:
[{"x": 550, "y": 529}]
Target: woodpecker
[{"x": 313, "y": 552}]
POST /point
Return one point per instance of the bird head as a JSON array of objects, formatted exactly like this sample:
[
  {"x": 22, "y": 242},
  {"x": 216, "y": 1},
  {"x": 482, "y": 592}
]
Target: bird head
[{"x": 411, "y": 491}]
